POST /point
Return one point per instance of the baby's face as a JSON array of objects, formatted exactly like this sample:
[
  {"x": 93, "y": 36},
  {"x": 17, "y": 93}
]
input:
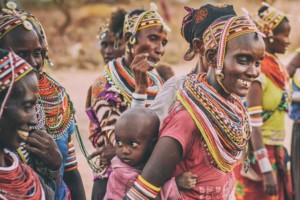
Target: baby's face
[{"x": 132, "y": 148}]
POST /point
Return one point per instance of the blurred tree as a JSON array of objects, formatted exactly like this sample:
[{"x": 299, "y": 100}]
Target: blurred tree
[{"x": 65, "y": 9}]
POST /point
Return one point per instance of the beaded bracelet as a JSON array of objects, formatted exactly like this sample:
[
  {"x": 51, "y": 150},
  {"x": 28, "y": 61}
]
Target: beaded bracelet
[
  {"x": 142, "y": 190},
  {"x": 138, "y": 100},
  {"x": 256, "y": 119},
  {"x": 264, "y": 164}
]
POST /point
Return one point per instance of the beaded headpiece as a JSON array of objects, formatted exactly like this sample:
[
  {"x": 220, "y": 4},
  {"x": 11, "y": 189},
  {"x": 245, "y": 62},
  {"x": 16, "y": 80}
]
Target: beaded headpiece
[
  {"x": 11, "y": 18},
  {"x": 12, "y": 69},
  {"x": 268, "y": 20},
  {"x": 219, "y": 33},
  {"x": 197, "y": 21},
  {"x": 148, "y": 18}
]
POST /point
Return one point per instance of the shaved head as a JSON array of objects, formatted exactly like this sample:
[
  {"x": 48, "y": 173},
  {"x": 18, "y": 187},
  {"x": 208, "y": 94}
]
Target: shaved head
[{"x": 143, "y": 120}]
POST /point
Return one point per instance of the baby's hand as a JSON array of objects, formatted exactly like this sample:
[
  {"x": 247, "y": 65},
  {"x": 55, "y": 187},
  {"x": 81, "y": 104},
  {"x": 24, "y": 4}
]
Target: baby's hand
[{"x": 186, "y": 181}]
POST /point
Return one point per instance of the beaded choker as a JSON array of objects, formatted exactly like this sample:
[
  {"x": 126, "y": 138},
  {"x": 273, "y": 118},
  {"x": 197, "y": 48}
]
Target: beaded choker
[
  {"x": 223, "y": 123},
  {"x": 118, "y": 75},
  {"x": 54, "y": 108},
  {"x": 18, "y": 181}
]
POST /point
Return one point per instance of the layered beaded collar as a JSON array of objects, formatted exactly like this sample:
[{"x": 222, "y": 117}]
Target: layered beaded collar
[{"x": 223, "y": 123}]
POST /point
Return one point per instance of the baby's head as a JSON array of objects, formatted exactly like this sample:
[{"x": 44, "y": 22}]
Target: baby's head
[{"x": 136, "y": 133}]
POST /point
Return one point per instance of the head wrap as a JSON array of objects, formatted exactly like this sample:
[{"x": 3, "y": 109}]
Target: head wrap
[
  {"x": 197, "y": 21},
  {"x": 12, "y": 69},
  {"x": 268, "y": 19},
  {"x": 11, "y": 19},
  {"x": 220, "y": 32},
  {"x": 134, "y": 23}
]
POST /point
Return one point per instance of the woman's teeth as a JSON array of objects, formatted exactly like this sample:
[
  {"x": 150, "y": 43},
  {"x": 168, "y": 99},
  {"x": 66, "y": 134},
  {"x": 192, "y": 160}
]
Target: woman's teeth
[{"x": 244, "y": 82}]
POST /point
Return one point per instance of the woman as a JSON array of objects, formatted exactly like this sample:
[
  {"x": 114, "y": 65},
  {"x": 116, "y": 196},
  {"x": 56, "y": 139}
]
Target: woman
[
  {"x": 206, "y": 132},
  {"x": 267, "y": 105},
  {"x": 127, "y": 81},
  {"x": 18, "y": 95},
  {"x": 194, "y": 36},
  {"x": 112, "y": 46},
  {"x": 26, "y": 36}
]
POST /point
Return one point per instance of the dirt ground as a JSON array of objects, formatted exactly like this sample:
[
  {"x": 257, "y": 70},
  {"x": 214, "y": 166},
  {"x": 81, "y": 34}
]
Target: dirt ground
[{"x": 76, "y": 83}]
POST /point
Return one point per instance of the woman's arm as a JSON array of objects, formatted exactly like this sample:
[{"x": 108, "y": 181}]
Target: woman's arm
[
  {"x": 254, "y": 98},
  {"x": 294, "y": 64},
  {"x": 163, "y": 160}
]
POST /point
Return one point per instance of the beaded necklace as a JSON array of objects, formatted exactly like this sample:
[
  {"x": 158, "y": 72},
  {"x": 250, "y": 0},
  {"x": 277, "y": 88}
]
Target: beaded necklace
[
  {"x": 53, "y": 108},
  {"x": 18, "y": 181},
  {"x": 223, "y": 123},
  {"x": 118, "y": 75}
]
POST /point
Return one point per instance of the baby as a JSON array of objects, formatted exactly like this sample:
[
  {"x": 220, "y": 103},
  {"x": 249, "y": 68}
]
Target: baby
[{"x": 136, "y": 133}]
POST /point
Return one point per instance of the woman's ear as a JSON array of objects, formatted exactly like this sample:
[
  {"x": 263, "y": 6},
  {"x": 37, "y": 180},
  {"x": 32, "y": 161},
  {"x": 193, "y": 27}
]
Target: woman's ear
[
  {"x": 211, "y": 56},
  {"x": 197, "y": 44},
  {"x": 127, "y": 37}
]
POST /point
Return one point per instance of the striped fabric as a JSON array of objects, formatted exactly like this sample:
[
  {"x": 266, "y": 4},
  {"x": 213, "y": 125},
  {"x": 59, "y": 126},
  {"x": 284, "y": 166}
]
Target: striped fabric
[
  {"x": 10, "y": 64},
  {"x": 71, "y": 163}
]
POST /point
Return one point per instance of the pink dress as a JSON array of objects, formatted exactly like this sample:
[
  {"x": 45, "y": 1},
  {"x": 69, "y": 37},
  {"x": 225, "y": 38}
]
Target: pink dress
[
  {"x": 123, "y": 176},
  {"x": 212, "y": 183}
]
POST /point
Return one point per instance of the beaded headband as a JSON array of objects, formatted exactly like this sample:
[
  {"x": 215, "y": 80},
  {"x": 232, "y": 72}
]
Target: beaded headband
[
  {"x": 12, "y": 69},
  {"x": 269, "y": 19},
  {"x": 11, "y": 18},
  {"x": 146, "y": 19},
  {"x": 218, "y": 34}
]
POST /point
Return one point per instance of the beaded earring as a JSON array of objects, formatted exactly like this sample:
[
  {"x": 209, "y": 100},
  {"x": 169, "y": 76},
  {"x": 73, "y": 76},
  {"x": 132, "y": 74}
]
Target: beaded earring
[
  {"x": 271, "y": 39},
  {"x": 220, "y": 74},
  {"x": 132, "y": 40}
]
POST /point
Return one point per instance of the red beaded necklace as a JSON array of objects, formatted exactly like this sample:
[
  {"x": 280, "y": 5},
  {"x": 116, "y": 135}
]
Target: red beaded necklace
[{"x": 18, "y": 181}]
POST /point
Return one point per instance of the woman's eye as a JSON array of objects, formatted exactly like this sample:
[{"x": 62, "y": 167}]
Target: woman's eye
[
  {"x": 119, "y": 143},
  {"x": 152, "y": 38},
  {"x": 38, "y": 53},
  {"x": 28, "y": 106},
  {"x": 243, "y": 60},
  {"x": 257, "y": 64},
  {"x": 134, "y": 144},
  {"x": 165, "y": 42},
  {"x": 104, "y": 44}
]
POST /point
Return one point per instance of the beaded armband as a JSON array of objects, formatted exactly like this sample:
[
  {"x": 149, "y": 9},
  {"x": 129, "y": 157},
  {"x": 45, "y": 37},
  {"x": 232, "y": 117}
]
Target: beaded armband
[
  {"x": 138, "y": 100},
  {"x": 264, "y": 164},
  {"x": 142, "y": 190},
  {"x": 256, "y": 119}
]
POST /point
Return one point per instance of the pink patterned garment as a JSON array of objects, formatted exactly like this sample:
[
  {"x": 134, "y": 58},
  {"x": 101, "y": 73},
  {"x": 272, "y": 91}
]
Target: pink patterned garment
[{"x": 212, "y": 183}]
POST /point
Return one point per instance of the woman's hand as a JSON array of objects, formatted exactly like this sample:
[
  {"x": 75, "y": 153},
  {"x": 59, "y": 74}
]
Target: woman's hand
[
  {"x": 106, "y": 153},
  {"x": 140, "y": 66},
  {"x": 270, "y": 183},
  {"x": 42, "y": 145}
]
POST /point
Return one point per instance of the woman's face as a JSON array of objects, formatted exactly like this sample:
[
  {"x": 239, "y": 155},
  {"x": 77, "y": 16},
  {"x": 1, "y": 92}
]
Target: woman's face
[
  {"x": 107, "y": 47},
  {"x": 242, "y": 62},
  {"x": 151, "y": 40},
  {"x": 280, "y": 38},
  {"x": 20, "y": 111},
  {"x": 25, "y": 44}
]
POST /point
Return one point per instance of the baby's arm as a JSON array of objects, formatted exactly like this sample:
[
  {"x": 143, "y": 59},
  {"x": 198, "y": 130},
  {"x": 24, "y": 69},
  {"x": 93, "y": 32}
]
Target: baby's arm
[{"x": 186, "y": 181}]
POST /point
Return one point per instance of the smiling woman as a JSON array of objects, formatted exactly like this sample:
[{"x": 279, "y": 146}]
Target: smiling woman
[
  {"x": 18, "y": 95},
  {"x": 208, "y": 127},
  {"x": 267, "y": 103},
  {"x": 127, "y": 81}
]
